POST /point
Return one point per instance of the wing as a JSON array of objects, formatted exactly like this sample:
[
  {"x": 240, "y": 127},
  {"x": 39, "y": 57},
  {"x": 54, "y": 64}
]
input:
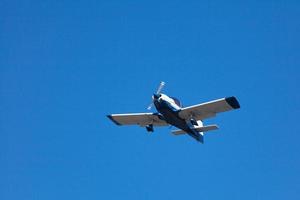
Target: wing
[
  {"x": 209, "y": 109},
  {"x": 141, "y": 119}
]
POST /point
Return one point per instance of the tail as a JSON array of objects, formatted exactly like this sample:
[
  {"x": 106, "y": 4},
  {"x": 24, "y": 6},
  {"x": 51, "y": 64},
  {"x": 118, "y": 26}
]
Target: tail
[
  {"x": 198, "y": 129},
  {"x": 197, "y": 132},
  {"x": 198, "y": 136}
]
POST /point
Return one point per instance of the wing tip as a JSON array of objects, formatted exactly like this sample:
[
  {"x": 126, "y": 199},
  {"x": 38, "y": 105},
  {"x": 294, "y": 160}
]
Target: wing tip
[
  {"x": 233, "y": 102},
  {"x": 113, "y": 120}
]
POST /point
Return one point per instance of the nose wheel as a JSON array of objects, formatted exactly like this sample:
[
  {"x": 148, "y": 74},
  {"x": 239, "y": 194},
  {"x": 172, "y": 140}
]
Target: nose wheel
[{"x": 149, "y": 128}]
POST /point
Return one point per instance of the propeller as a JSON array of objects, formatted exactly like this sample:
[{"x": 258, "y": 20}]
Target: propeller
[{"x": 161, "y": 85}]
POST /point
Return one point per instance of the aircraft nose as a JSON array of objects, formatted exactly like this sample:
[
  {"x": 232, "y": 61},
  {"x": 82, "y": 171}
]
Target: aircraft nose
[{"x": 156, "y": 96}]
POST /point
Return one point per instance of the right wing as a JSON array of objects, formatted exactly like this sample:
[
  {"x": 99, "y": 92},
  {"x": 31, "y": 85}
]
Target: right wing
[
  {"x": 209, "y": 109},
  {"x": 141, "y": 119}
]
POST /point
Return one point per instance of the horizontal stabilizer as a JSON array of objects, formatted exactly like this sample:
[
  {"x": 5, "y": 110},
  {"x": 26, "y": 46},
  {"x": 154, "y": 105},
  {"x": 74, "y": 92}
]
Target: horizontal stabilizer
[
  {"x": 207, "y": 128},
  {"x": 198, "y": 129},
  {"x": 178, "y": 132}
]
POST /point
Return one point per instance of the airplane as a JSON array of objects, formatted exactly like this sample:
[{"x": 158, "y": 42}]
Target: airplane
[{"x": 188, "y": 120}]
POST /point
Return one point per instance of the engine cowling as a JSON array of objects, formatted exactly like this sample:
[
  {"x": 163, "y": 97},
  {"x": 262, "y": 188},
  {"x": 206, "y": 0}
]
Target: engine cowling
[{"x": 177, "y": 102}]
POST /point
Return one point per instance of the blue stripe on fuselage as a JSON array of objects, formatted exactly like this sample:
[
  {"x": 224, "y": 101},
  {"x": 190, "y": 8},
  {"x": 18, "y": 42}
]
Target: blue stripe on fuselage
[{"x": 171, "y": 116}]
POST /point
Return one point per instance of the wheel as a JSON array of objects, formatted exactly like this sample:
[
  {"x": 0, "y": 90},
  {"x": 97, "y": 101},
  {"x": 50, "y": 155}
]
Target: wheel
[
  {"x": 194, "y": 122},
  {"x": 149, "y": 128}
]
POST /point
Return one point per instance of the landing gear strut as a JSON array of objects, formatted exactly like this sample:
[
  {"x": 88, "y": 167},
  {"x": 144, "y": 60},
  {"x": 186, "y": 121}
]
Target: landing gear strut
[
  {"x": 194, "y": 122},
  {"x": 149, "y": 128}
]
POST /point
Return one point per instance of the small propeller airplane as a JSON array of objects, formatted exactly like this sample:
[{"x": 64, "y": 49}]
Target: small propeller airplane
[{"x": 188, "y": 120}]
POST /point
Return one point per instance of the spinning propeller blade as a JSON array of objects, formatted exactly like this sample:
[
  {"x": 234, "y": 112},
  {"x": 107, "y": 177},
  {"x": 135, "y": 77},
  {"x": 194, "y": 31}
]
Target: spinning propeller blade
[{"x": 161, "y": 86}]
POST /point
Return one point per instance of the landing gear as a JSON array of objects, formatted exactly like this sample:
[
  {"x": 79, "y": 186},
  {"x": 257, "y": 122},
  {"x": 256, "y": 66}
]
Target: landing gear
[
  {"x": 149, "y": 128},
  {"x": 194, "y": 122}
]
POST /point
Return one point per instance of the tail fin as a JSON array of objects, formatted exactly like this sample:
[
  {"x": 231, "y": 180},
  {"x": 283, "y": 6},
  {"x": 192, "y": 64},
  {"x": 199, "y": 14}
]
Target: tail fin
[{"x": 200, "y": 138}]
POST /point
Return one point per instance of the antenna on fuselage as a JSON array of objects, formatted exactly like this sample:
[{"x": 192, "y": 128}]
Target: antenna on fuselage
[{"x": 161, "y": 86}]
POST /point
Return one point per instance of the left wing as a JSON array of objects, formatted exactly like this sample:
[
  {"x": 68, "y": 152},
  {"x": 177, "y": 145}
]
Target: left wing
[
  {"x": 141, "y": 119},
  {"x": 209, "y": 109}
]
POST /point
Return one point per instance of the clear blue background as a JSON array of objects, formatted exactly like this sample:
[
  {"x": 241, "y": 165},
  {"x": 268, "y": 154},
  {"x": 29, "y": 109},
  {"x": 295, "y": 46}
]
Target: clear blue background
[{"x": 66, "y": 64}]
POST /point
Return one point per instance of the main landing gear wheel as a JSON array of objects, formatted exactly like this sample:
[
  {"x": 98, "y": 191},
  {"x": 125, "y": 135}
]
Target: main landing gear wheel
[
  {"x": 149, "y": 128},
  {"x": 194, "y": 122}
]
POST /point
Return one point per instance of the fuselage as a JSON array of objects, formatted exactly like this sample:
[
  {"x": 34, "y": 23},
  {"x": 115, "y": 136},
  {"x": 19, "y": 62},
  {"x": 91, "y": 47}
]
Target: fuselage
[{"x": 169, "y": 109}]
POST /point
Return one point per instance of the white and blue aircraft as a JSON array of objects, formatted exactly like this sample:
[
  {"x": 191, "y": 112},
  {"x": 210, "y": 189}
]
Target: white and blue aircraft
[{"x": 188, "y": 120}]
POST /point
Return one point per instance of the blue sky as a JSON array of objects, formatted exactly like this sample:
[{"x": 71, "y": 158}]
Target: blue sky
[{"x": 65, "y": 65}]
